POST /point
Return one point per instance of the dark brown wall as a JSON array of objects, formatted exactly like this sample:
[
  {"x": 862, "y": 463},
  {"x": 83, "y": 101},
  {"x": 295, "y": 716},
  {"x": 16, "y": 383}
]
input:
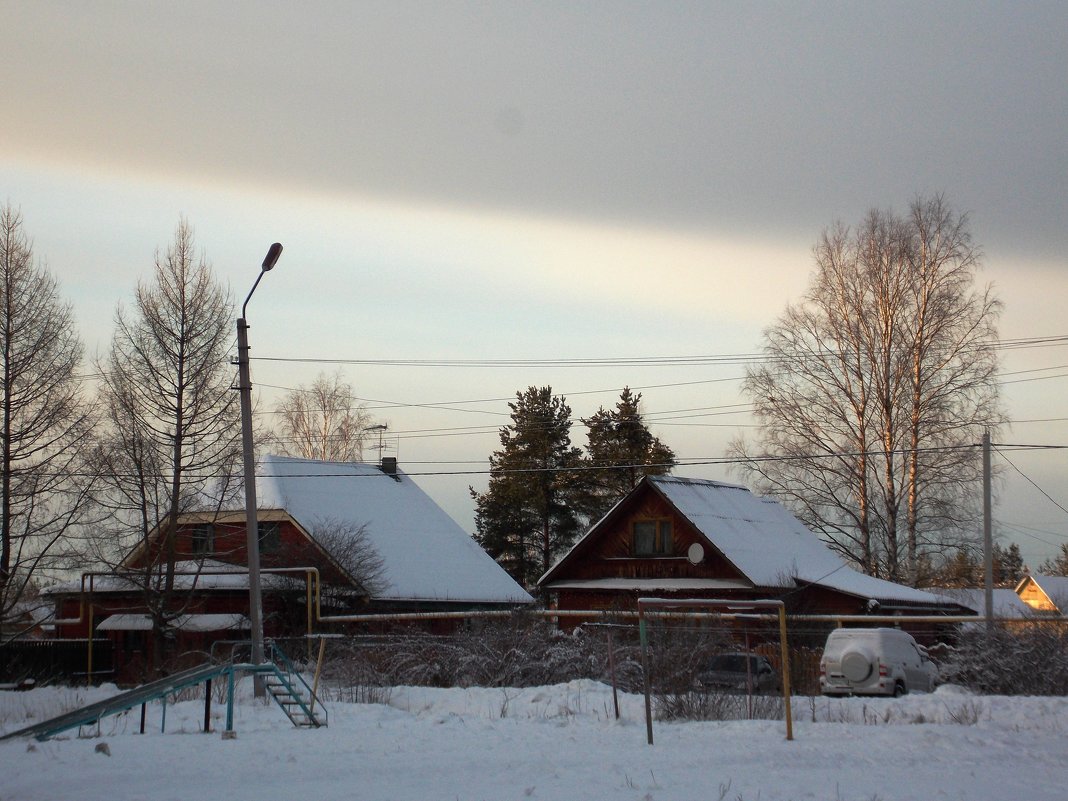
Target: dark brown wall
[{"x": 610, "y": 552}]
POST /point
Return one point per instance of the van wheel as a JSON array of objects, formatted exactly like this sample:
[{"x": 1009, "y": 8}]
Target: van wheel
[{"x": 900, "y": 689}]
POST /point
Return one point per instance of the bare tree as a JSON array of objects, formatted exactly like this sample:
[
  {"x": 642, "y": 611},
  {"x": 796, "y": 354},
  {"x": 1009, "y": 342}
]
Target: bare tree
[
  {"x": 45, "y": 422},
  {"x": 323, "y": 421},
  {"x": 351, "y": 570},
  {"x": 351, "y": 549},
  {"x": 875, "y": 388},
  {"x": 173, "y": 436}
]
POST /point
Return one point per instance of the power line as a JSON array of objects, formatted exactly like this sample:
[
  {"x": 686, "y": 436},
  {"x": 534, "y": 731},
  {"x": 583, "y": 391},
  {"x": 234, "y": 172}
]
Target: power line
[
  {"x": 1027, "y": 531},
  {"x": 609, "y": 361},
  {"x": 622, "y": 361},
  {"x": 1031, "y": 481},
  {"x": 681, "y": 462}
]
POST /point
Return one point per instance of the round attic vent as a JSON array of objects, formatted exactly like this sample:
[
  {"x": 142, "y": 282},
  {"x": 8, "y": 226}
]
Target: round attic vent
[{"x": 695, "y": 553}]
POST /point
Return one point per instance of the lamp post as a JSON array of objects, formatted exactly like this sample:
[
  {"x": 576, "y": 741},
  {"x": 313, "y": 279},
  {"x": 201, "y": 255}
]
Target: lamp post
[{"x": 255, "y": 598}]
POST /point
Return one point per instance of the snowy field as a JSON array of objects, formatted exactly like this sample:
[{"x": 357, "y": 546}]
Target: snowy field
[{"x": 561, "y": 743}]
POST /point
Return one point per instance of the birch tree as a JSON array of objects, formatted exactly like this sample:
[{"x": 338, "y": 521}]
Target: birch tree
[
  {"x": 322, "y": 421},
  {"x": 875, "y": 387}
]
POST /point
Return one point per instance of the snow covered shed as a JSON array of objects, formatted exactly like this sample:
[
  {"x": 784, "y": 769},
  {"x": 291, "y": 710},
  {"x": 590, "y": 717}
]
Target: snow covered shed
[{"x": 688, "y": 538}]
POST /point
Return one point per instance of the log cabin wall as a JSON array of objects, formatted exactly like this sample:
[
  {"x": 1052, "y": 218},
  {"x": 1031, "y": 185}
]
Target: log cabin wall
[{"x": 611, "y": 553}]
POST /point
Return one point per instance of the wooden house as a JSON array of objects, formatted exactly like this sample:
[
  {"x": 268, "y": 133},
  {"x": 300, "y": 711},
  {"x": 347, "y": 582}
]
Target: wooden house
[
  {"x": 686, "y": 538},
  {"x": 335, "y": 539},
  {"x": 1045, "y": 595}
]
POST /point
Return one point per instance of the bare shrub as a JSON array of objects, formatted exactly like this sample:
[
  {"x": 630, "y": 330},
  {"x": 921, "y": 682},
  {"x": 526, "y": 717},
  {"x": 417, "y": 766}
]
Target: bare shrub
[
  {"x": 517, "y": 652},
  {"x": 1026, "y": 660},
  {"x": 527, "y": 651},
  {"x": 967, "y": 714},
  {"x": 695, "y": 705}
]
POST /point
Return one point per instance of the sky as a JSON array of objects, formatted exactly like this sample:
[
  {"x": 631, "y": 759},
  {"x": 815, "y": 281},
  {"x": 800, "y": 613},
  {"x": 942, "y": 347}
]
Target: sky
[{"x": 475, "y": 198}]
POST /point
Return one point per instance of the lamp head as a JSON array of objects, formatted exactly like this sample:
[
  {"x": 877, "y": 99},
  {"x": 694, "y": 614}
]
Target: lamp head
[{"x": 272, "y": 256}]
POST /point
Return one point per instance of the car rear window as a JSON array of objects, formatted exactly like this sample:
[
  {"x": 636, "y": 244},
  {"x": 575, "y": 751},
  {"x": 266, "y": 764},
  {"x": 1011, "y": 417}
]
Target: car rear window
[{"x": 734, "y": 663}]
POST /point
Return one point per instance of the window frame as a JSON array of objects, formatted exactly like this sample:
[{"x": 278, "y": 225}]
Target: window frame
[
  {"x": 269, "y": 534},
  {"x": 663, "y": 543},
  {"x": 202, "y": 539}
]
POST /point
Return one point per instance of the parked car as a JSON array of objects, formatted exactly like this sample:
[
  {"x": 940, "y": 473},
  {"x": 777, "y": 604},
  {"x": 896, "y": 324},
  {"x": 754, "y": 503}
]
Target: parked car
[
  {"x": 878, "y": 661},
  {"x": 740, "y": 672}
]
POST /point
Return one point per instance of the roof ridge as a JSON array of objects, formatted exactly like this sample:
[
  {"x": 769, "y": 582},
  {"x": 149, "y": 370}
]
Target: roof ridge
[{"x": 708, "y": 482}]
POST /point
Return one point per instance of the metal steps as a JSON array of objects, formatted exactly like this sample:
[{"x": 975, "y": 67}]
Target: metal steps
[{"x": 291, "y": 692}]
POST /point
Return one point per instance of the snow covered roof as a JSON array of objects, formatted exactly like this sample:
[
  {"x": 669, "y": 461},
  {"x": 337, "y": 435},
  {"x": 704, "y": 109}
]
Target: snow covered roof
[
  {"x": 649, "y": 585},
  {"x": 194, "y": 623},
  {"x": 425, "y": 553},
  {"x": 769, "y": 545},
  {"x": 1007, "y": 604},
  {"x": 1055, "y": 588},
  {"x": 204, "y": 574}
]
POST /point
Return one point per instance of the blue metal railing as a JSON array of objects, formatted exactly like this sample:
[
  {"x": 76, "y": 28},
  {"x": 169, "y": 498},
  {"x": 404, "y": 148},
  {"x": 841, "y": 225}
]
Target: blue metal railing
[{"x": 290, "y": 675}]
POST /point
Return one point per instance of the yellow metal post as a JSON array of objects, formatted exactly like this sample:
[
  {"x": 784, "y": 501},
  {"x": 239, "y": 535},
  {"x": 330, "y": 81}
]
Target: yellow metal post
[
  {"x": 89, "y": 656},
  {"x": 785, "y": 651},
  {"x": 318, "y": 670}
]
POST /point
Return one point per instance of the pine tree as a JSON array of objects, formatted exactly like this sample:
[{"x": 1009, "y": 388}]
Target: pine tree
[
  {"x": 1008, "y": 565},
  {"x": 962, "y": 569},
  {"x": 965, "y": 568},
  {"x": 1057, "y": 565},
  {"x": 527, "y": 516},
  {"x": 621, "y": 452}
]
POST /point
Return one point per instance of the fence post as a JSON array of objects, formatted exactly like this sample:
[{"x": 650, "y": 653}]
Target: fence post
[{"x": 645, "y": 675}]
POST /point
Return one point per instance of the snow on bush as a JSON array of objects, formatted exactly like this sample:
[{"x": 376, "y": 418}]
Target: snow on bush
[
  {"x": 1023, "y": 660},
  {"x": 518, "y": 652}
]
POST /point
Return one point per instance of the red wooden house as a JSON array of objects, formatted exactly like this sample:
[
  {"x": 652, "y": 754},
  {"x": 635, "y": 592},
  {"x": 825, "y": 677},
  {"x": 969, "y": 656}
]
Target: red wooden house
[
  {"x": 336, "y": 539},
  {"x": 688, "y": 538}
]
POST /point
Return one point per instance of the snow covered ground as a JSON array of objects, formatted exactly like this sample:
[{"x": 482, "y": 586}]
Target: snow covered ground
[{"x": 560, "y": 742}]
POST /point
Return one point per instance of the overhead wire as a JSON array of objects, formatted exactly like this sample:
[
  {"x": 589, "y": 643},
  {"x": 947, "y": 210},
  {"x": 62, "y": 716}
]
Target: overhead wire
[{"x": 1030, "y": 480}]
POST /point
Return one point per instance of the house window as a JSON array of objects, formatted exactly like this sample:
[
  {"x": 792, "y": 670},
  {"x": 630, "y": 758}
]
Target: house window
[
  {"x": 203, "y": 539},
  {"x": 652, "y": 538},
  {"x": 270, "y": 537}
]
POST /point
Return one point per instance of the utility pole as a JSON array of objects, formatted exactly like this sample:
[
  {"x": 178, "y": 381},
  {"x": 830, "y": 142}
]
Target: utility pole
[
  {"x": 255, "y": 598},
  {"x": 988, "y": 537}
]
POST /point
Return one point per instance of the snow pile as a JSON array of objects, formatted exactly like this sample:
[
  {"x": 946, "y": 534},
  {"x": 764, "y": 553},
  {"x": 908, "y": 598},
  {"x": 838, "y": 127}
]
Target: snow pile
[{"x": 552, "y": 742}]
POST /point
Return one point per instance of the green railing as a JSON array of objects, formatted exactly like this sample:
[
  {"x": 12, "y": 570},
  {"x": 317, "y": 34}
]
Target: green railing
[{"x": 293, "y": 679}]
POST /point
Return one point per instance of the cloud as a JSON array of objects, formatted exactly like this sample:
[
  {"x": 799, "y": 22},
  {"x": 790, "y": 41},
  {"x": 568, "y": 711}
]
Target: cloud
[{"x": 719, "y": 120}]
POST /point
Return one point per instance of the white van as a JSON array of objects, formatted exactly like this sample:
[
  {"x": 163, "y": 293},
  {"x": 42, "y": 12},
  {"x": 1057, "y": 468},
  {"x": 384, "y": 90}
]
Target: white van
[{"x": 875, "y": 662}]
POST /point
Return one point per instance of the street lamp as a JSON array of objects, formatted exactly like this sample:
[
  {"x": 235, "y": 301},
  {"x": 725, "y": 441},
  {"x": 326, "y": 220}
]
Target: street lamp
[{"x": 255, "y": 598}]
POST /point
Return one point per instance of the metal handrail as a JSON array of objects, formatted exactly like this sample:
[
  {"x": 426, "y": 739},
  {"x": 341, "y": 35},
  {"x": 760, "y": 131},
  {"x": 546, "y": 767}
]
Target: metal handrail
[{"x": 288, "y": 668}]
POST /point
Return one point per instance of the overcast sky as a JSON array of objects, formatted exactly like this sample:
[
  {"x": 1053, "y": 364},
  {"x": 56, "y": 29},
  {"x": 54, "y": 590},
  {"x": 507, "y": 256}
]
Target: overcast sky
[{"x": 505, "y": 181}]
